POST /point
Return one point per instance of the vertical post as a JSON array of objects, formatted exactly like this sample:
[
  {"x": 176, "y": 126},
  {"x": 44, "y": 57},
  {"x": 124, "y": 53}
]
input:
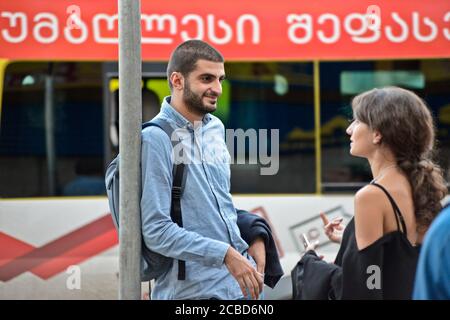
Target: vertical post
[
  {"x": 50, "y": 131},
  {"x": 3, "y": 64},
  {"x": 317, "y": 129},
  {"x": 130, "y": 120},
  {"x": 107, "y": 154}
]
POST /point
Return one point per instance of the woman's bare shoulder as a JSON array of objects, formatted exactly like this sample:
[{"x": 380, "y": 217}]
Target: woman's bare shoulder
[
  {"x": 369, "y": 193},
  {"x": 369, "y": 207}
]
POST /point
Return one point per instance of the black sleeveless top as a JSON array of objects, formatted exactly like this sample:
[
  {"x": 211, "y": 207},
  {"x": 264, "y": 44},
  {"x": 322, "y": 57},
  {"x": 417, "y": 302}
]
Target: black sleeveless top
[
  {"x": 392, "y": 253},
  {"x": 383, "y": 270}
]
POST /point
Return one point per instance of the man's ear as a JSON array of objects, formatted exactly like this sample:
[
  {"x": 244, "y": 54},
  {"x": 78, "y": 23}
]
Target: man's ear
[
  {"x": 177, "y": 80},
  {"x": 377, "y": 137}
]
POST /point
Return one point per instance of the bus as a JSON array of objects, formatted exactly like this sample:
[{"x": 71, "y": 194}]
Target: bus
[{"x": 291, "y": 65}]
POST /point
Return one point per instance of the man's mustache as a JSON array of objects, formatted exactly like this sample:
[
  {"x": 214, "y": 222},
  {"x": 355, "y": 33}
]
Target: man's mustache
[{"x": 211, "y": 95}]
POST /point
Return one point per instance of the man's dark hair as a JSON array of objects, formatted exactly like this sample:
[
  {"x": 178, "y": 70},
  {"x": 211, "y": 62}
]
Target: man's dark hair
[{"x": 184, "y": 58}]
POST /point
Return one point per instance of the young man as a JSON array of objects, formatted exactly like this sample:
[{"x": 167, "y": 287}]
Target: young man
[{"x": 217, "y": 262}]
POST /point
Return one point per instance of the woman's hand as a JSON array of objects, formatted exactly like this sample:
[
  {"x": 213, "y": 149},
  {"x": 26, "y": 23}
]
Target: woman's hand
[
  {"x": 333, "y": 229},
  {"x": 312, "y": 246}
]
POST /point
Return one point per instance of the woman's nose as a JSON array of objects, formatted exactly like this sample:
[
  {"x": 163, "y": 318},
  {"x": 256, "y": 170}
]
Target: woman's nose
[{"x": 349, "y": 129}]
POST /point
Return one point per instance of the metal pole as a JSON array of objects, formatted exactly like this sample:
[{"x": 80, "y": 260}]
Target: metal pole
[
  {"x": 130, "y": 120},
  {"x": 50, "y": 132},
  {"x": 317, "y": 128}
]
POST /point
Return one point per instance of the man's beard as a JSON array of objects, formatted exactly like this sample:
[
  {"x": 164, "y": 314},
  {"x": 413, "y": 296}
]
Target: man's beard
[{"x": 194, "y": 102}]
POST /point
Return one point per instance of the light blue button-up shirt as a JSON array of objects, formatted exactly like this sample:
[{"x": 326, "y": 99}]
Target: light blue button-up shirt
[{"x": 209, "y": 216}]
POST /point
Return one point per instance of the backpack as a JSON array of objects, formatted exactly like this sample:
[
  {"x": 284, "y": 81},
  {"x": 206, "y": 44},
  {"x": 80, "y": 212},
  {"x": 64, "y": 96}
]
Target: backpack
[{"x": 153, "y": 264}]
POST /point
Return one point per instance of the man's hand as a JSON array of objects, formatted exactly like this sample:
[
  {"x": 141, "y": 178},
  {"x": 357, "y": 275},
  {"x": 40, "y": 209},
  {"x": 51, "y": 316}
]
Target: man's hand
[
  {"x": 242, "y": 270},
  {"x": 257, "y": 251}
]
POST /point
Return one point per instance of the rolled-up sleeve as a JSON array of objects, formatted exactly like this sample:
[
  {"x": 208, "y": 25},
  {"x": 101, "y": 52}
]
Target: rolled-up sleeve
[{"x": 160, "y": 233}]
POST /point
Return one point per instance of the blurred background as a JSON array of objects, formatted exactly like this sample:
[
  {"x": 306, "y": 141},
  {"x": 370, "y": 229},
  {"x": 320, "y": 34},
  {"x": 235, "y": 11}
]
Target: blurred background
[{"x": 290, "y": 65}]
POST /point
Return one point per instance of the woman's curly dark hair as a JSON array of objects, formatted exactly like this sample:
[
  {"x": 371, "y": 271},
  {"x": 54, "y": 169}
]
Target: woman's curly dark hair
[{"x": 407, "y": 128}]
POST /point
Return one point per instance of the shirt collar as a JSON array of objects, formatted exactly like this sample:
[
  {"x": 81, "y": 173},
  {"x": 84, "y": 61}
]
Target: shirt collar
[{"x": 168, "y": 110}]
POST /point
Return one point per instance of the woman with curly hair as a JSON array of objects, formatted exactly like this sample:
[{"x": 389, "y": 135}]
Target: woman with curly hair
[{"x": 393, "y": 129}]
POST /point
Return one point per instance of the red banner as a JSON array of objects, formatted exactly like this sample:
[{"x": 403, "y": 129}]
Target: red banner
[{"x": 240, "y": 29}]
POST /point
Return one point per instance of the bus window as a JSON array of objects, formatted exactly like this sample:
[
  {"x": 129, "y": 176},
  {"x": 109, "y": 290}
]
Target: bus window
[
  {"x": 263, "y": 95},
  {"x": 254, "y": 96},
  {"x": 153, "y": 92},
  {"x": 51, "y": 130},
  {"x": 341, "y": 81}
]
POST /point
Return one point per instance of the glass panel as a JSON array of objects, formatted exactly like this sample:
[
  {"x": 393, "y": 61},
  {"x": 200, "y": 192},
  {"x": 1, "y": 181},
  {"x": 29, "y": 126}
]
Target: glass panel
[
  {"x": 341, "y": 81},
  {"x": 153, "y": 92},
  {"x": 256, "y": 96},
  {"x": 271, "y": 96},
  {"x": 354, "y": 82},
  {"x": 75, "y": 92}
]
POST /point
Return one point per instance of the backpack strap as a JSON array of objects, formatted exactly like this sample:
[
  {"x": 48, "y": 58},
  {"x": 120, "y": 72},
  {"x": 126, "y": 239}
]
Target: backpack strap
[
  {"x": 175, "y": 208},
  {"x": 179, "y": 180}
]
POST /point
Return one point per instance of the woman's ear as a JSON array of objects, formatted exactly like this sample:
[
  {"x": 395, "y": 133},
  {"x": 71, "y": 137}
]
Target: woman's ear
[{"x": 377, "y": 137}]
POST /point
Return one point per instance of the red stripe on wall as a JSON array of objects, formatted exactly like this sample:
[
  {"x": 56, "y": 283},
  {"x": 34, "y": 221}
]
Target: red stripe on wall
[
  {"x": 12, "y": 248},
  {"x": 89, "y": 239},
  {"x": 77, "y": 255}
]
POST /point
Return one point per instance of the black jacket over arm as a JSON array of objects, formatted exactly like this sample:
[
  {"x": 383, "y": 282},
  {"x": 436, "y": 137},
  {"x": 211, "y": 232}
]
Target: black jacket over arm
[
  {"x": 253, "y": 226},
  {"x": 314, "y": 279}
]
